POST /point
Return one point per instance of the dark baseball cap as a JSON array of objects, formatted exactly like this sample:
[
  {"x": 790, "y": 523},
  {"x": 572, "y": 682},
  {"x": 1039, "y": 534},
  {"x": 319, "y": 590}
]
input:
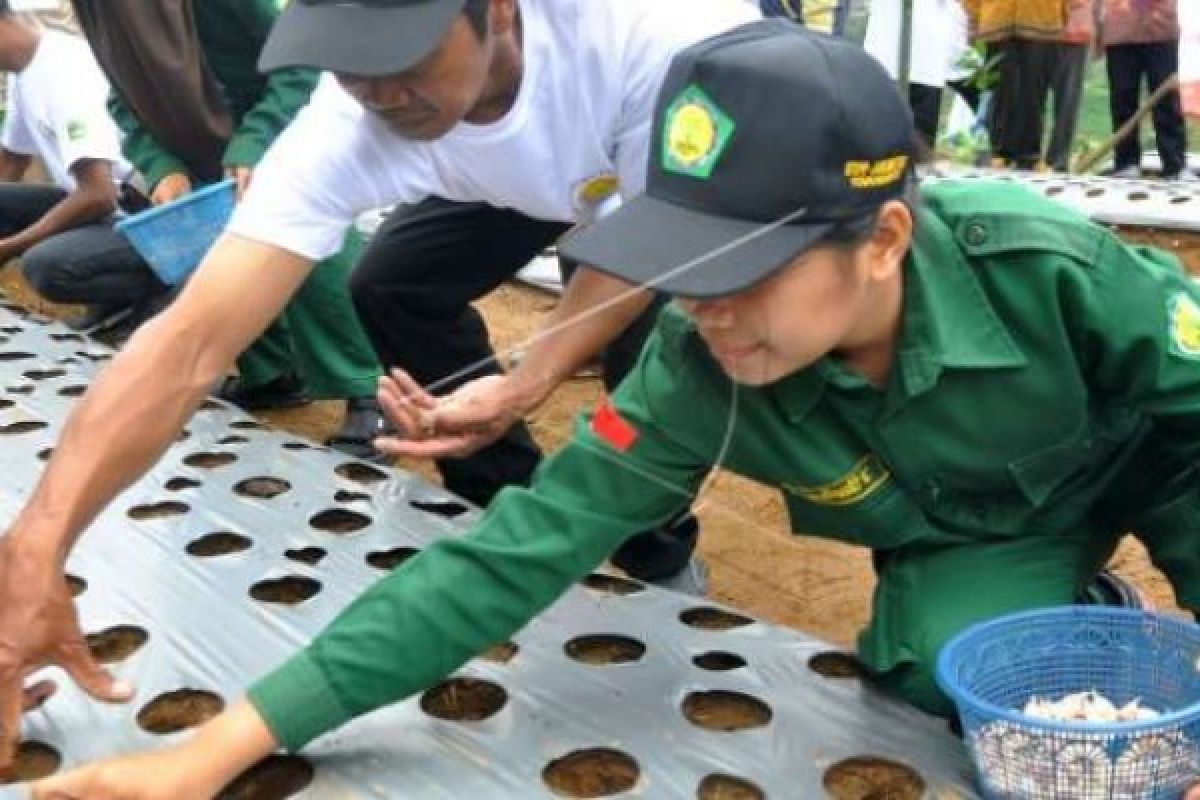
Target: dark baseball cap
[
  {"x": 764, "y": 138},
  {"x": 359, "y": 37}
]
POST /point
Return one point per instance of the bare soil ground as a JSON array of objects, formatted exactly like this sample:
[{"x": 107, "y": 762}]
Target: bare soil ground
[{"x": 818, "y": 586}]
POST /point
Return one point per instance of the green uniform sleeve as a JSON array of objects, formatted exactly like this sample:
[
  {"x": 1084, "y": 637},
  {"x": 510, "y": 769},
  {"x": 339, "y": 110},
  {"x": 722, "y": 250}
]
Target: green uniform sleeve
[
  {"x": 149, "y": 157},
  {"x": 465, "y": 594},
  {"x": 287, "y": 91},
  {"x": 1138, "y": 333}
]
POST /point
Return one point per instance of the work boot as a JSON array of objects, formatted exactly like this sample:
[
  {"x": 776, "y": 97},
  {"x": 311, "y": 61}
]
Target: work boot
[
  {"x": 285, "y": 391},
  {"x": 364, "y": 421}
]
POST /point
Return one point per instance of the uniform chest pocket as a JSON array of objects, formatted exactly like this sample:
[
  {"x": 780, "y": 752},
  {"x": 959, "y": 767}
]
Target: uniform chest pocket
[{"x": 1040, "y": 474}]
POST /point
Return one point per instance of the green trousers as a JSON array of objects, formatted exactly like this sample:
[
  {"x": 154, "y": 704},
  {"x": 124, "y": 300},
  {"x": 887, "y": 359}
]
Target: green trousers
[{"x": 318, "y": 336}]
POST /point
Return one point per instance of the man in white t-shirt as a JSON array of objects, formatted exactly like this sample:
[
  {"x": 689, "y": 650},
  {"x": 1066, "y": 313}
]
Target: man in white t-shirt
[
  {"x": 56, "y": 111},
  {"x": 536, "y": 106}
]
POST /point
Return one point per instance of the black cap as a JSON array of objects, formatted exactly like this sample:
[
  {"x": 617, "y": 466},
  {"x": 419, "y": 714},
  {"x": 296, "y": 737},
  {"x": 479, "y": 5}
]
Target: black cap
[
  {"x": 764, "y": 138},
  {"x": 359, "y": 37}
]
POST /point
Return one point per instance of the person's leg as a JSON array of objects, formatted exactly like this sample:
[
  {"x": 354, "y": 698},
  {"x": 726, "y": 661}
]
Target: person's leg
[
  {"x": 1170, "y": 130},
  {"x": 1123, "y": 64},
  {"x": 90, "y": 264},
  {"x": 1037, "y": 65},
  {"x": 23, "y": 204},
  {"x": 413, "y": 288},
  {"x": 926, "y": 104},
  {"x": 1005, "y": 114},
  {"x": 1070, "y": 64}
]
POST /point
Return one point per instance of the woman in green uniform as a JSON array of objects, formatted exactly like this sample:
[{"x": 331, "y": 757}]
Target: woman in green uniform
[{"x": 979, "y": 385}]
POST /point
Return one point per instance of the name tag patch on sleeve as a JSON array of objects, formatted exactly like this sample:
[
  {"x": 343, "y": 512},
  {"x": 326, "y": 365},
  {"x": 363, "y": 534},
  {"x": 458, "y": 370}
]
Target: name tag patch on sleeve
[{"x": 1183, "y": 326}]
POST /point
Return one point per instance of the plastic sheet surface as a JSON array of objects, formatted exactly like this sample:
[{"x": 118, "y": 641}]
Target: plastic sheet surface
[{"x": 206, "y": 633}]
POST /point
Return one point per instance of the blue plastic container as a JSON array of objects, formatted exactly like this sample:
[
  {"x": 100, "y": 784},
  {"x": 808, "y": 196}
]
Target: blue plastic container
[
  {"x": 992, "y": 669},
  {"x": 174, "y": 237}
]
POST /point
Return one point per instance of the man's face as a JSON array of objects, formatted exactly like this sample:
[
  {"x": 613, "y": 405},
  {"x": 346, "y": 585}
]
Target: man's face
[{"x": 426, "y": 101}]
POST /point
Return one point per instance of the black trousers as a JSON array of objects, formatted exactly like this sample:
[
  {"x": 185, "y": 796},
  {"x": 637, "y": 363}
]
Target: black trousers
[
  {"x": 926, "y": 104},
  {"x": 89, "y": 264},
  {"x": 1030, "y": 71},
  {"x": 413, "y": 288},
  {"x": 1127, "y": 65}
]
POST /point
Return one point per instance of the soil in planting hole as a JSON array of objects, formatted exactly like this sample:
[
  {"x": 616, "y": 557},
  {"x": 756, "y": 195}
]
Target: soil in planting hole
[
  {"x": 211, "y": 405},
  {"x": 289, "y": 590},
  {"x": 727, "y": 787},
  {"x": 226, "y": 440},
  {"x": 297, "y": 446},
  {"x": 6, "y": 404},
  {"x": 360, "y": 473},
  {"x": 179, "y": 484},
  {"x": 719, "y": 661},
  {"x": 9, "y": 355},
  {"x": 599, "y": 772},
  {"x": 73, "y": 391},
  {"x": 247, "y": 425},
  {"x": 306, "y": 555},
  {"x": 447, "y": 508},
  {"x": 179, "y": 710},
  {"x": 95, "y": 356},
  {"x": 713, "y": 619},
  {"x": 603, "y": 649},
  {"x": 390, "y": 559},
  {"x": 168, "y": 508},
  {"x": 832, "y": 664},
  {"x": 32, "y": 762},
  {"x": 44, "y": 455},
  {"x": 209, "y": 460},
  {"x": 724, "y": 711},
  {"x": 866, "y": 778},
  {"x": 24, "y": 426},
  {"x": 500, "y": 653},
  {"x": 339, "y": 520},
  {"x": 66, "y": 337},
  {"x": 221, "y": 543},
  {"x": 76, "y": 585},
  {"x": 464, "y": 700},
  {"x": 274, "y": 778},
  {"x": 342, "y": 496},
  {"x": 44, "y": 374},
  {"x": 116, "y": 644},
  {"x": 263, "y": 488},
  {"x": 611, "y": 584},
  {"x": 26, "y": 389}
]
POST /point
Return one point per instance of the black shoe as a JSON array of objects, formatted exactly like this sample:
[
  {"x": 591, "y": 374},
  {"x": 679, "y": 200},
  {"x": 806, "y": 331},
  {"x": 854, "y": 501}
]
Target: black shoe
[
  {"x": 286, "y": 391},
  {"x": 364, "y": 421}
]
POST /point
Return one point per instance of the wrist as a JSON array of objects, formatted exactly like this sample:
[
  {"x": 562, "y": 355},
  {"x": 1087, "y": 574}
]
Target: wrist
[{"x": 228, "y": 745}]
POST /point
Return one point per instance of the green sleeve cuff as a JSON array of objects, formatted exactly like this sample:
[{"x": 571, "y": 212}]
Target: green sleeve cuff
[
  {"x": 244, "y": 151},
  {"x": 155, "y": 168},
  {"x": 298, "y": 703}
]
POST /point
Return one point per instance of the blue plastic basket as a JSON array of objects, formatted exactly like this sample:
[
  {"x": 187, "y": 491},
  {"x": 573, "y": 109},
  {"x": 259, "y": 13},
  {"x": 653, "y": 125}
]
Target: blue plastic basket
[
  {"x": 992, "y": 669},
  {"x": 174, "y": 237}
]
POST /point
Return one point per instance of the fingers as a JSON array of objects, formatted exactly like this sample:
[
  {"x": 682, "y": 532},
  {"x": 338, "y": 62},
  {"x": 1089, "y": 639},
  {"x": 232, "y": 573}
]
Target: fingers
[
  {"x": 403, "y": 384},
  {"x": 439, "y": 447},
  {"x": 10, "y": 717},
  {"x": 78, "y": 662}
]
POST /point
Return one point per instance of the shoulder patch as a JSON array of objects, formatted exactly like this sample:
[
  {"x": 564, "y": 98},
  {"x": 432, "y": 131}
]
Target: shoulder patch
[
  {"x": 76, "y": 130},
  {"x": 1183, "y": 326}
]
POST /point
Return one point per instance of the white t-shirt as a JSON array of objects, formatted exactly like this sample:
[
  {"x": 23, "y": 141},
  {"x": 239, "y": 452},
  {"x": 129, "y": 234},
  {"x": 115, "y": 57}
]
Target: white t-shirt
[
  {"x": 581, "y": 121},
  {"x": 939, "y": 37},
  {"x": 56, "y": 110}
]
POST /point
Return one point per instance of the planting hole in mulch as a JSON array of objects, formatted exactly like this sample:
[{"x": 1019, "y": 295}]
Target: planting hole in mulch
[
  {"x": 6, "y": 404},
  {"x": 167, "y": 508},
  {"x": 342, "y": 496},
  {"x": 211, "y": 405},
  {"x": 727, "y": 787},
  {"x": 32, "y": 762},
  {"x": 719, "y": 661},
  {"x": 97, "y": 357},
  {"x": 76, "y": 585},
  {"x": 339, "y": 520},
  {"x": 263, "y": 488},
  {"x": 360, "y": 473},
  {"x": 11, "y": 329},
  {"x": 76, "y": 390},
  {"x": 179, "y": 484},
  {"x": 66, "y": 337},
  {"x": 179, "y": 710},
  {"x": 209, "y": 460},
  {"x": 602, "y": 649},
  {"x": 297, "y": 446},
  {"x": 447, "y": 508},
  {"x": 26, "y": 389},
  {"x": 833, "y": 664},
  {"x": 611, "y": 584},
  {"x": 274, "y": 778},
  {"x": 599, "y": 772},
  {"x": 1137, "y": 197},
  {"x": 500, "y": 653},
  {"x": 44, "y": 374},
  {"x": 290, "y": 590},
  {"x": 44, "y": 455},
  {"x": 116, "y": 644},
  {"x": 865, "y": 778},
  {"x": 713, "y": 619},
  {"x": 24, "y": 426},
  {"x": 464, "y": 700},
  {"x": 9, "y": 355},
  {"x": 725, "y": 711},
  {"x": 247, "y": 425},
  {"x": 390, "y": 559},
  {"x": 306, "y": 555},
  {"x": 69, "y": 360},
  {"x": 235, "y": 439},
  {"x": 221, "y": 543}
]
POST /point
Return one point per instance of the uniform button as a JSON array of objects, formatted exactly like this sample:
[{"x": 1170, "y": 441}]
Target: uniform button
[{"x": 976, "y": 234}]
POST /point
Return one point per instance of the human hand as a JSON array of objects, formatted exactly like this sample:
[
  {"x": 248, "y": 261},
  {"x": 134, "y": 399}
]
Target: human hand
[
  {"x": 1192, "y": 793},
  {"x": 39, "y": 628},
  {"x": 241, "y": 179},
  {"x": 171, "y": 187},
  {"x": 170, "y": 774},
  {"x": 452, "y": 426}
]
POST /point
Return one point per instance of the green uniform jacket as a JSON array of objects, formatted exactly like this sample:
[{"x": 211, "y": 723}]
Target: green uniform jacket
[
  {"x": 1042, "y": 365},
  {"x": 232, "y": 33}
]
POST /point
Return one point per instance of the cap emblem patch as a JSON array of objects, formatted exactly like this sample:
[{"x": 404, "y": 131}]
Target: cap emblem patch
[{"x": 695, "y": 134}]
